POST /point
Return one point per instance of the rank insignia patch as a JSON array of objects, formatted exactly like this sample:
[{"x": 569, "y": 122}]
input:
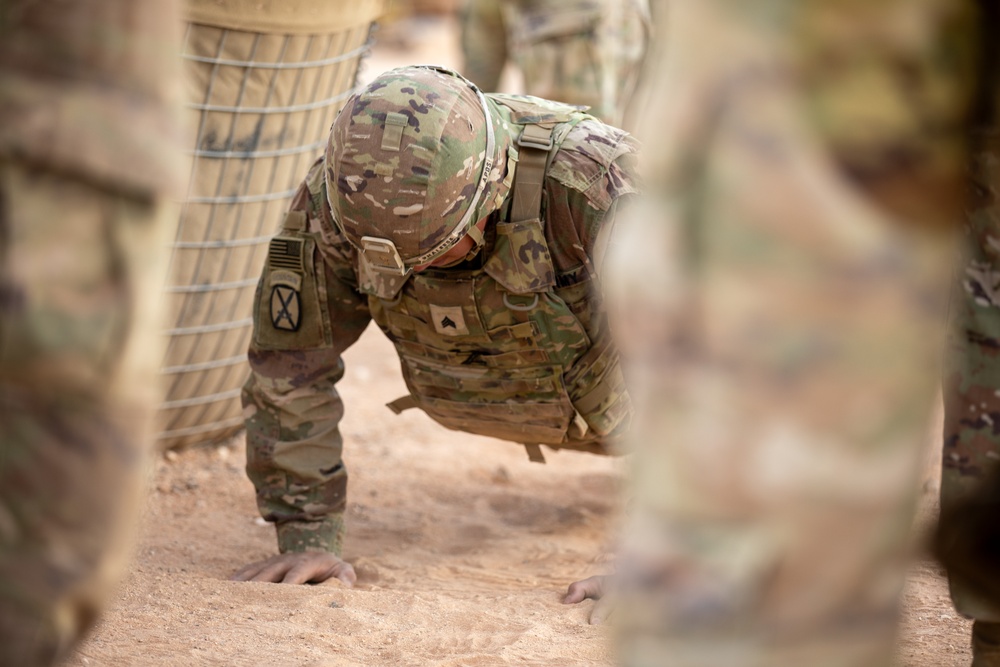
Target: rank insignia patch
[
  {"x": 286, "y": 312},
  {"x": 449, "y": 320}
]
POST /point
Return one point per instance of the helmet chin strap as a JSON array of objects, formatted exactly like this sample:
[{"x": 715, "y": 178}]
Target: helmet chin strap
[{"x": 478, "y": 239}]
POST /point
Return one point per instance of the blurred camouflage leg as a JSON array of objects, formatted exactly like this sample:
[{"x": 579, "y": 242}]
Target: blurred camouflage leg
[
  {"x": 88, "y": 130},
  {"x": 583, "y": 52},
  {"x": 484, "y": 43},
  {"x": 781, "y": 435},
  {"x": 80, "y": 268}
]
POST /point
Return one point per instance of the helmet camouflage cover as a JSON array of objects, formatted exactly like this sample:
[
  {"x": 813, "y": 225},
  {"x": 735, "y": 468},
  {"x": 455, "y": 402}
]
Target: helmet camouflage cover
[{"x": 413, "y": 161}]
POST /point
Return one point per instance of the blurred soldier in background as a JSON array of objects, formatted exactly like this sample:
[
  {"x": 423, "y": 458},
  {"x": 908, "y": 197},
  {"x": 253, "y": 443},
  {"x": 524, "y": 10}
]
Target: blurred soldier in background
[
  {"x": 88, "y": 126},
  {"x": 585, "y": 52},
  {"x": 968, "y": 539},
  {"x": 470, "y": 228},
  {"x": 806, "y": 183}
]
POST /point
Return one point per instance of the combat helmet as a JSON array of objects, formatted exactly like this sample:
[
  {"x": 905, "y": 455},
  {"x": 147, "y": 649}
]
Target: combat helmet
[{"x": 413, "y": 162}]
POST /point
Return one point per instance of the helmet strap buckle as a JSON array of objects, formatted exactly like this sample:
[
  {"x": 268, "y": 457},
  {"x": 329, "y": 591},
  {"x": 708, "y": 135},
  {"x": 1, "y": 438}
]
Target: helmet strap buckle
[{"x": 382, "y": 255}]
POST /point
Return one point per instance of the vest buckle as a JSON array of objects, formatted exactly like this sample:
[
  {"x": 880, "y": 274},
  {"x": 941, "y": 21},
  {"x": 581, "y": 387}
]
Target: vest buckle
[{"x": 537, "y": 137}]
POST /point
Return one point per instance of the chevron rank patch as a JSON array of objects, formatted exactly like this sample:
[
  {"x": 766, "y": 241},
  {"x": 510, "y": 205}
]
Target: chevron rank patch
[
  {"x": 286, "y": 308},
  {"x": 449, "y": 320}
]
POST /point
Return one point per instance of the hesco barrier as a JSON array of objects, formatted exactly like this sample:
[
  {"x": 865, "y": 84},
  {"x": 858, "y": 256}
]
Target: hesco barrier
[{"x": 264, "y": 81}]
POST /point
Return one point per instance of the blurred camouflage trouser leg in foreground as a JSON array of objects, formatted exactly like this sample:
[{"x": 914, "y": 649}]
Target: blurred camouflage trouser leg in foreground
[
  {"x": 88, "y": 126},
  {"x": 80, "y": 271},
  {"x": 809, "y": 177}
]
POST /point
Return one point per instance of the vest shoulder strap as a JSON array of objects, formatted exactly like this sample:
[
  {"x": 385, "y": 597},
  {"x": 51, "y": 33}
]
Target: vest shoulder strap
[
  {"x": 537, "y": 144},
  {"x": 534, "y": 145}
]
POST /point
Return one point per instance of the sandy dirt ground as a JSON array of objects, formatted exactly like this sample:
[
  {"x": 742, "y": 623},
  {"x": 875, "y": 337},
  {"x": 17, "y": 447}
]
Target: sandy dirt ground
[{"x": 462, "y": 546}]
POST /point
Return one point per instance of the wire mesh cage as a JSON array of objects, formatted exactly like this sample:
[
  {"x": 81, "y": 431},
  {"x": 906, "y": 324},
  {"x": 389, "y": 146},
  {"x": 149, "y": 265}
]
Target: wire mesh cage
[{"x": 261, "y": 104}]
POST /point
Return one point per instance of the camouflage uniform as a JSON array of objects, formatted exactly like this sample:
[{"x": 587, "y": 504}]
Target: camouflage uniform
[
  {"x": 586, "y": 52},
  {"x": 805, "y": 181},
  {"x": 88, "y": 122},
  {"x": 511, "y": 343},
  {"x": 968, "y": 533}
]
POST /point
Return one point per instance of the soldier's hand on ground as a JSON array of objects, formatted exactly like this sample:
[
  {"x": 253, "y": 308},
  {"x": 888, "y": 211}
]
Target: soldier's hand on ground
[
  {"x": 310, "y": 567},
  {"x": 593, "y": 588}
]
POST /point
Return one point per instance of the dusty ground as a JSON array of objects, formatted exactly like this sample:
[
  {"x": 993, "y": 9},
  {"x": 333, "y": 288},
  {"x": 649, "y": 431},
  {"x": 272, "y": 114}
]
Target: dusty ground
[
  {"x": 461, "y": 545},
  {"x": 932, "y": 632}
]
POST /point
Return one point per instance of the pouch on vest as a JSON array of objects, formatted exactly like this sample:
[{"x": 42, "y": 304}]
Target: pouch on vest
[
  {"x": 290, "y": 310},
  {"x": 520, "y": 261}
]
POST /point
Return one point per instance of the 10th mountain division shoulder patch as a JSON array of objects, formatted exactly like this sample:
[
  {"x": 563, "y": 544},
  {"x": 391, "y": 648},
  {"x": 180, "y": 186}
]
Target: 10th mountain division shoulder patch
[{"x": 286, "y": 310}]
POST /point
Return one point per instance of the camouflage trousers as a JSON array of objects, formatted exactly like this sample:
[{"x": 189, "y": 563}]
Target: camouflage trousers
[
  {"x": 972, "y": 405},
  {"x": 588, "y": 53},
  {"x": 80, "y": 271},
  {"x": 970, "y": 468},
  {"x": 795, "y": 313},
  {"x": 778, "y": 452}
]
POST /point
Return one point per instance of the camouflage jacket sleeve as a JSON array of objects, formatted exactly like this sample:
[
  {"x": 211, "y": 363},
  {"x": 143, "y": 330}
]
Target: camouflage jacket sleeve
[
  {"x": 590, "y": 179},
  {"x": 293, "y": 409}
]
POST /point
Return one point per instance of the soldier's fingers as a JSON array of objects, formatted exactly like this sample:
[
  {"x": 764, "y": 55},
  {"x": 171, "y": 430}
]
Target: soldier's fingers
[
  {"x": 347, "y": 575},
  {"x": 247, "y": 572},
  {"x": 336, "y": 569},
  {"x": 575, "y": 593},
  {"x": 304, "y": 572},
  {"x": 274, "y": 572},
  {"x": 578, "y": 591},
  {"x": 318, "y": 567},
  {"x": 602, "y": 610}
]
